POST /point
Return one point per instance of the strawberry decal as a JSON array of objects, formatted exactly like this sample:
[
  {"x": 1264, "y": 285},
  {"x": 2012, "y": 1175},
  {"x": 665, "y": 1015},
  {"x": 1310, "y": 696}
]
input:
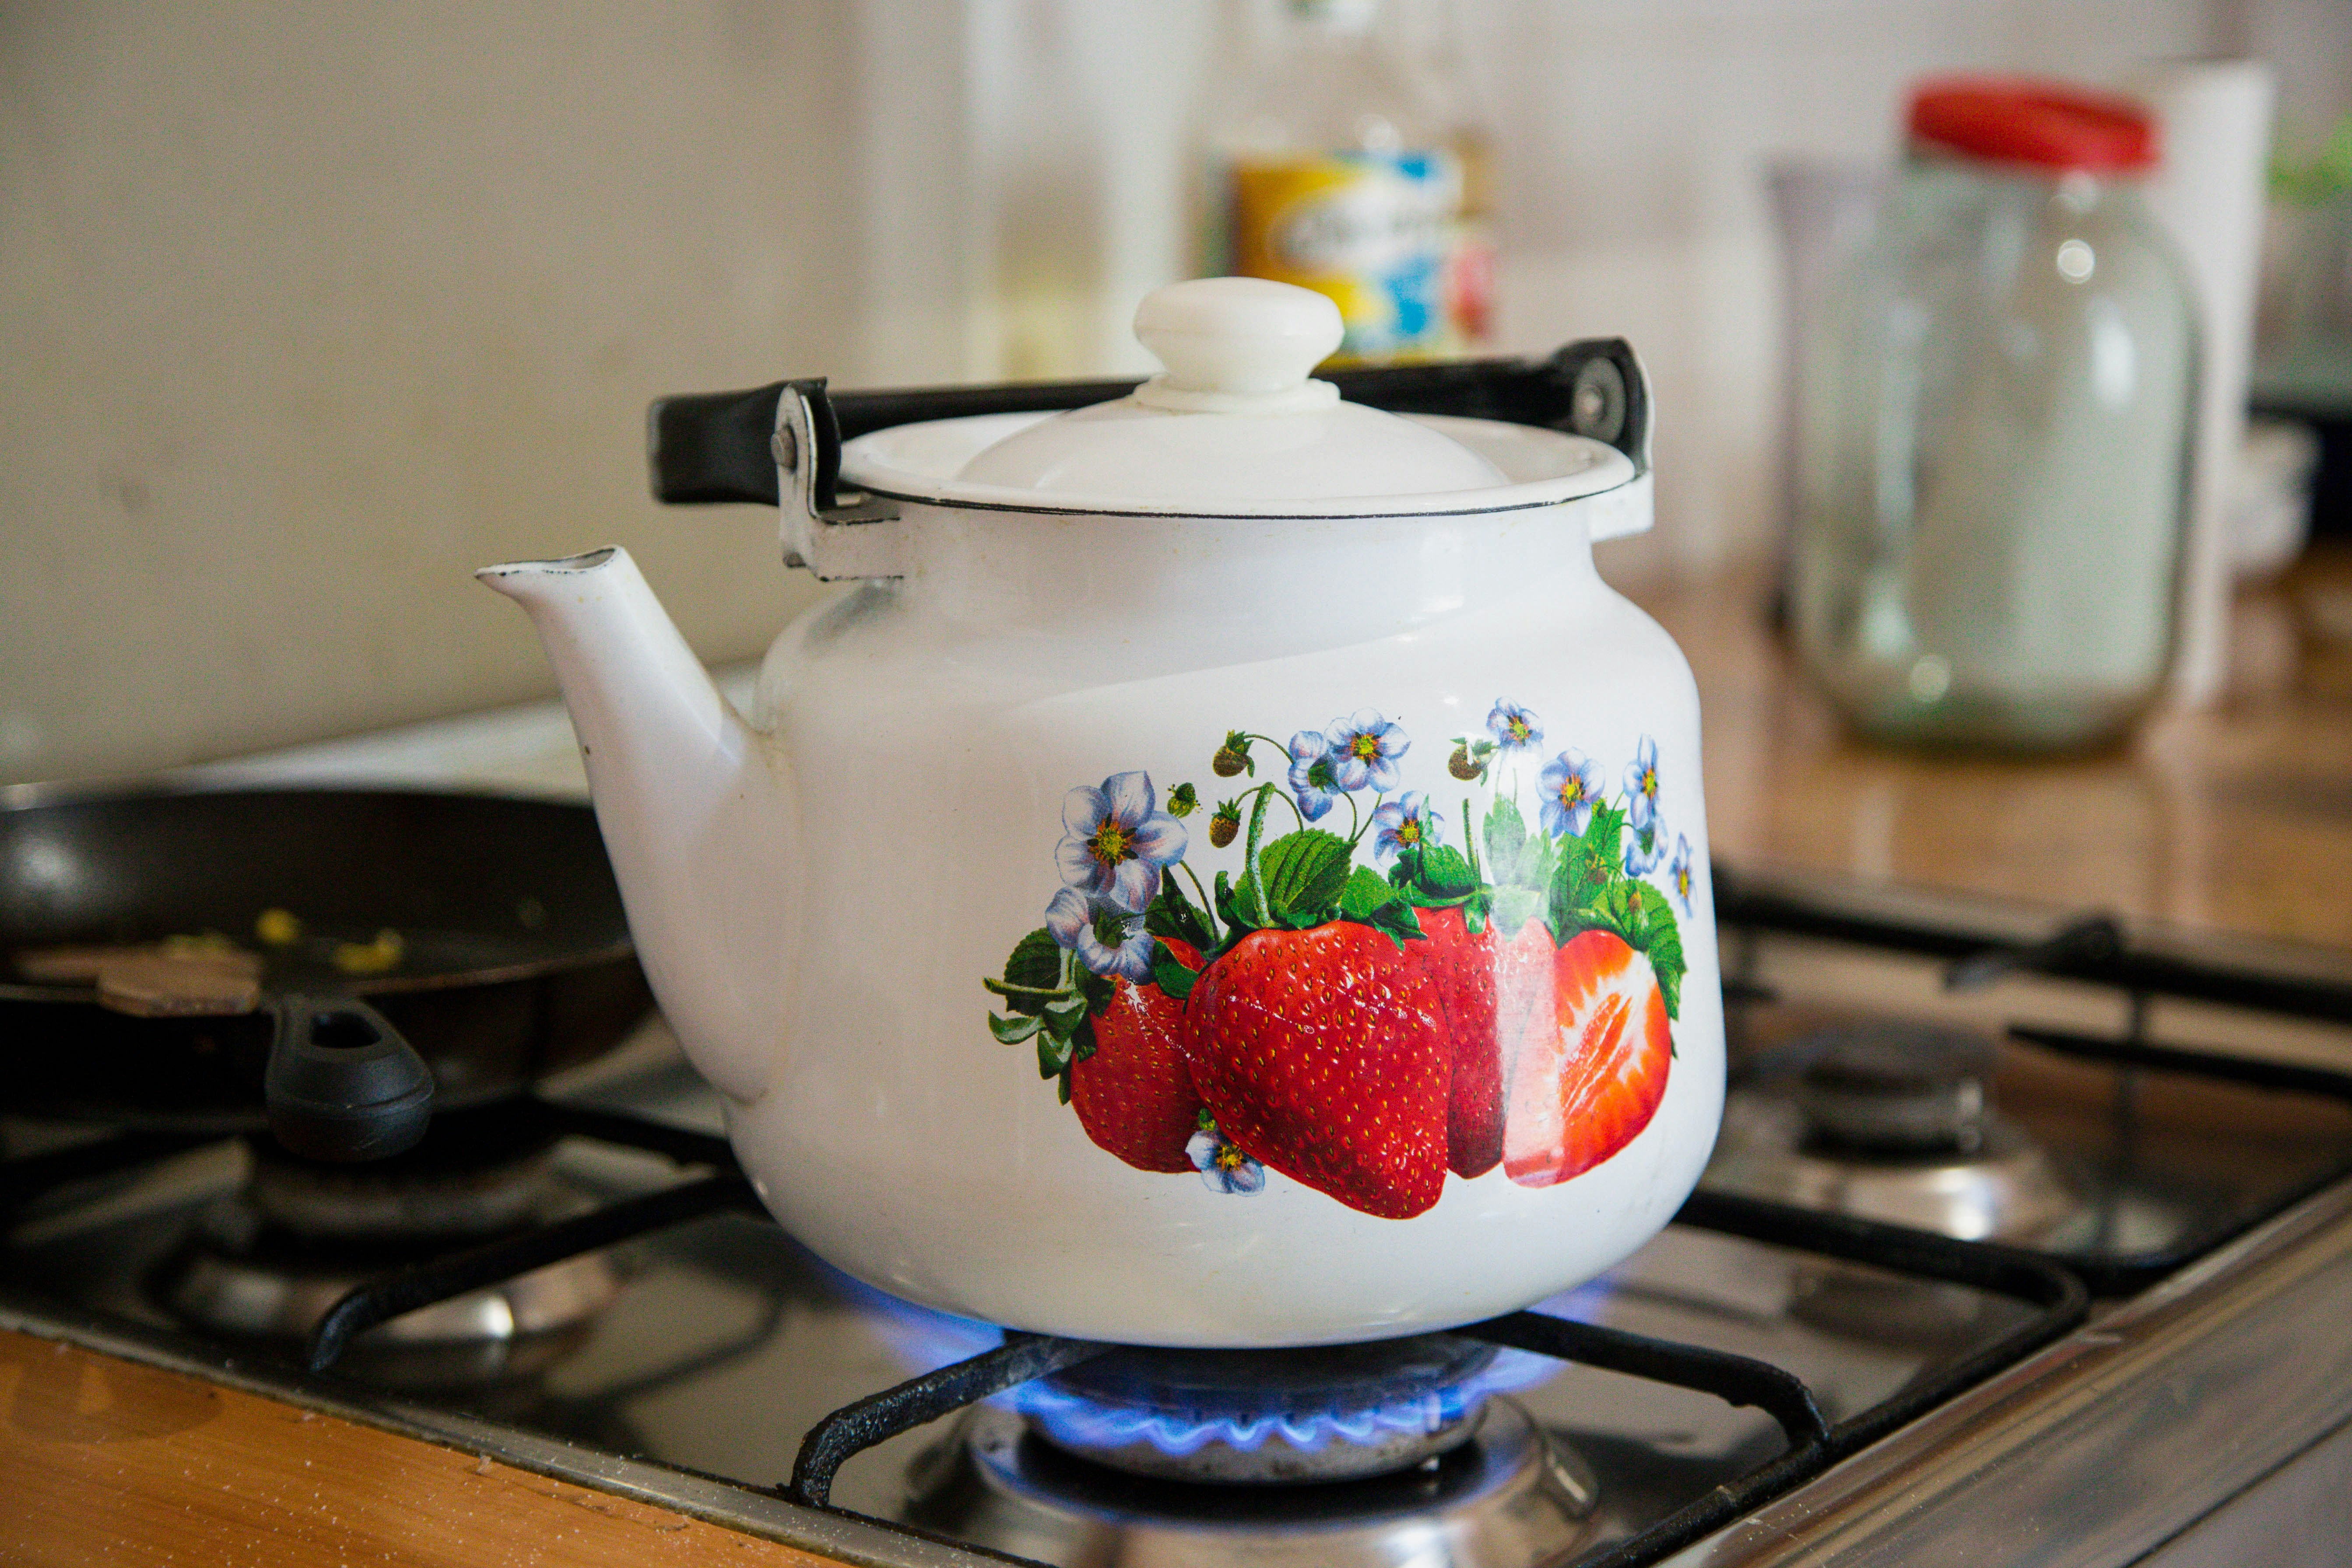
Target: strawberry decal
[
  {"x": 1463, "y": 969},
  {"x": 1582, "y": 1088},
  {"x": 1134, "y": 1094},
  {"x": 1323, "y": 1054},
  {"x": 1364, "y": 1013}
]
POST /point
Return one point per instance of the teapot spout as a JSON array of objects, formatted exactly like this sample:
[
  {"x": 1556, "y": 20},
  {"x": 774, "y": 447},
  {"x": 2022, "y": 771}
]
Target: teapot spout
[{"x": 694, "y": 805}]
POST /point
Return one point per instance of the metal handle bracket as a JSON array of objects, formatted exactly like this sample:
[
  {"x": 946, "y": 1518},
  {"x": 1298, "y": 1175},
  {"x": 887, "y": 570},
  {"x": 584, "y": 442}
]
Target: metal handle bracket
[{"x": 836, "y": 536}]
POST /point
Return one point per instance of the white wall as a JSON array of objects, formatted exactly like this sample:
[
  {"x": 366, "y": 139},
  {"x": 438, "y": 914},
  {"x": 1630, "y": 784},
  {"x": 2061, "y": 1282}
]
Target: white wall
[
  {"x": 307, "y": 309},
  {"x": 1637, "y": 132}
]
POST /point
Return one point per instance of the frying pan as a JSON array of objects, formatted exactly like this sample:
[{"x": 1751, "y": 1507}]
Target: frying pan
[{"x": 515, "y": 959}]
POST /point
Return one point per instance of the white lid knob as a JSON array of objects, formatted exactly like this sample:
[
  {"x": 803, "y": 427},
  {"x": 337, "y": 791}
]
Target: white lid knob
[{"x": 1237, "y": 344}]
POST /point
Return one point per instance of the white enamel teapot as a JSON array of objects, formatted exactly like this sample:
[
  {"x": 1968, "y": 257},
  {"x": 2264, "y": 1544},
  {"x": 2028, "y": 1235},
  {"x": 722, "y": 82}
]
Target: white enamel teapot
[{"x": 1230, "y": 873}]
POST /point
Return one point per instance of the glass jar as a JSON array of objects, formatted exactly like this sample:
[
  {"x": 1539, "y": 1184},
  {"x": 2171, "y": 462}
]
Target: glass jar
[{"x": 1993, "y": 432}]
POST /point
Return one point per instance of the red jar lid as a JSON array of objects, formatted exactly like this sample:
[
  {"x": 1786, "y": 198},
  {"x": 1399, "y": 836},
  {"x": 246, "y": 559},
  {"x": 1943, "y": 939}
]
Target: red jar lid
[{"x": 2046, "y": 124}]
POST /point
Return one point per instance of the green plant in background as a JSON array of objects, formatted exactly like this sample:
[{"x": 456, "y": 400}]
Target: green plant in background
[{"x": 2314, "y": 182}]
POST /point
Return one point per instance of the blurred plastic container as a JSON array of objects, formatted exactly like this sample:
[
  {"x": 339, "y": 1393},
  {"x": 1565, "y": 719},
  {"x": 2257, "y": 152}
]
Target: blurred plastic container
[
  {"x": 1993, "y": 432},
  {"x": 1351, "y": 161}
]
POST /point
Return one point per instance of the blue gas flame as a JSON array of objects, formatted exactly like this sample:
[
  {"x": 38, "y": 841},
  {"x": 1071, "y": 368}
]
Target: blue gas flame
[
  {"x": 1077, "y": 1422},
  {"x": 926, "y": 1339}
]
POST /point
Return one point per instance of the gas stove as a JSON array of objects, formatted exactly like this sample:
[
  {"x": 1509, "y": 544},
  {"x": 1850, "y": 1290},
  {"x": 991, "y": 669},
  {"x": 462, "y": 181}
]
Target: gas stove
[{"x": 2028, "y": 1240}]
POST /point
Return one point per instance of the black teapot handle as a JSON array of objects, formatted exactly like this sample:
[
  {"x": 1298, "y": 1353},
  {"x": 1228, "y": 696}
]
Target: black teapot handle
[{"x": 712, "y": 447}]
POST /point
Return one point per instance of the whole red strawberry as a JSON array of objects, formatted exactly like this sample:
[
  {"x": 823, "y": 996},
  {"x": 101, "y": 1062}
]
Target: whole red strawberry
[
  {"x": 1321, "y": 1052},
  {"x": 1462, "y": 967},
  {"x": 1134, "y": 1096},
  {"x": 1590, "y": 1076}
]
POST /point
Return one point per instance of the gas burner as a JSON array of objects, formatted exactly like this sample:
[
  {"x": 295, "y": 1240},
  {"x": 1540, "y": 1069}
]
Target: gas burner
[
  {"x": 1504, "y": 1493},
  {"x": 1323, "y": 1413},
  {"x": 238, "y": 1276},
  {"x": 1892, "y": 1120},
  {"x": 1890, "y": 1089},
  {"x": 398, "y": 1202},
  {"x": 268, "y": 1261}
]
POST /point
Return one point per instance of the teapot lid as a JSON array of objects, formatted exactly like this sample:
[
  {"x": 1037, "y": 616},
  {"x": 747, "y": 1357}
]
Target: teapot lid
[{"x": 1236, "y": 426}]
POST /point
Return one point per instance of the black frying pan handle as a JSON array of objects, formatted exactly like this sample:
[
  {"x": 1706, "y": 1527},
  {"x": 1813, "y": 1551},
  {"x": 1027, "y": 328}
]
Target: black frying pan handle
[{"x": 342, "y": 1084}]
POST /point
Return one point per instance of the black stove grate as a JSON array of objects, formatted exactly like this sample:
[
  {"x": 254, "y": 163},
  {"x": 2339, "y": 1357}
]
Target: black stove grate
[
  {"x": 25, "y": 1180},
  {"x": 462, "y": 1272},
  {"x": 1735, "y": 1379},
  {"x": 2060, "y": 1300},
  {"x": 2094, "y": 950},
  {"x": 2129, "y": 1274},
  {"x": 2059, "y": 1297},
  {"x": 2057, "y": 1288}
]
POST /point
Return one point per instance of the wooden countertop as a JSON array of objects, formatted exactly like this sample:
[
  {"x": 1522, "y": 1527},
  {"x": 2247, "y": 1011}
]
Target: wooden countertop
[
  {"x": 108, "y": 1461},
  {"x": 2238, "y": 819}
]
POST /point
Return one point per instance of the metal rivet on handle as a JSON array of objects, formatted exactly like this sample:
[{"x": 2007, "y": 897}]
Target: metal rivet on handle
[
  {"x": 784, "y": 448},
  {"x": 1597, "y": 401}
]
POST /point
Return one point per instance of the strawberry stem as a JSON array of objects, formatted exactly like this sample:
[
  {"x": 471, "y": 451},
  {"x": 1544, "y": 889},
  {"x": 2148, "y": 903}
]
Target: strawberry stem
[
  {"x": 1006, "y": 988},
  {"x": 1257, "y": 870},
  {"x": 1208, "y": 908}
]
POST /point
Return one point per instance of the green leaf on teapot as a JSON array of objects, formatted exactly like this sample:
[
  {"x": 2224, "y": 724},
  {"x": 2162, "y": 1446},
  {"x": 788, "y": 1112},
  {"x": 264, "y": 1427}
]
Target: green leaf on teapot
[
  {"x": 1603, "y": 908},
  {"x": 1506, "y": 834},
  {"x": 1053, "y": 1054},
  {"x": 1013, "y": 1030},
  {"x": 1172, "y": 917},
  {"x": 1229, "y": 909},
  {"x": 1304, "y": 873},
  {"x": 1646, "y": 920},
  {"x": 1059, "y": 1051},
  {"x": 1514, "y": 857},
  {"x": 1581, "y": 880},
  {"x": 1662, "y": 941},
  {"x": 1630, "y": 903},
  {"x": 1033, "y": 975},
  {"x": 1604, "y": 835},
  {"x": 1446, "y": 873},
  {"x": 1169, "y": 974},
  {"x": 1082, "y": 1045},
  {"x": 1588, "y": 894},
  {"x": 1365, "y": 892},
  {"x": 1368, "y": 899},
  {"x": 1437, "y": 876}
]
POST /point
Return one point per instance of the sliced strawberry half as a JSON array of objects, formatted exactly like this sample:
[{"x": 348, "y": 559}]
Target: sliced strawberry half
[
  {"x": 1322, "y": 1054},
  {"x": 1135, "y": 1096},
  {"x": 1585, "y": 1087}
]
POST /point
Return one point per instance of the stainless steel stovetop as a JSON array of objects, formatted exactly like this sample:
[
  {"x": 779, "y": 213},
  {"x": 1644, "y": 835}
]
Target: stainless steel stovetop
[{"x": 1971, "y": 1416}]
